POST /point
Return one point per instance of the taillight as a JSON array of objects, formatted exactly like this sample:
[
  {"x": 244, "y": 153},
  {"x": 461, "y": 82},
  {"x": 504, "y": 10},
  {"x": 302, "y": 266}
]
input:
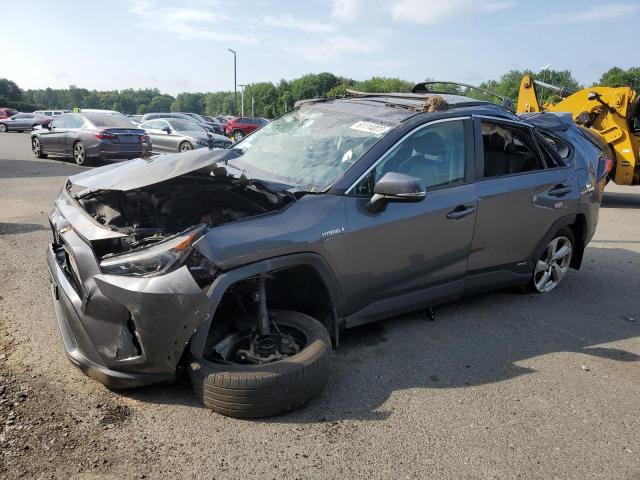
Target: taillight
[
  {"x": 143, "y": 138},
  {"x": 605, "y": 165},
  {"x": 105, "y": 135}
]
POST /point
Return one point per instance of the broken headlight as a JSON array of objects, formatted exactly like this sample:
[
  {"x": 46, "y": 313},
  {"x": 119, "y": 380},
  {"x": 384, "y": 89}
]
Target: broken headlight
[{"x": 158, "y": 259}]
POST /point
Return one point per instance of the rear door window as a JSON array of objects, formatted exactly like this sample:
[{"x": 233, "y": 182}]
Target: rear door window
[{"x": 509, "y": 150}]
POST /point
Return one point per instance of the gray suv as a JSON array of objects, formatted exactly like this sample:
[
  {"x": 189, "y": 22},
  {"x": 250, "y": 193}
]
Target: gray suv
[{"x": 243, "y": 265}]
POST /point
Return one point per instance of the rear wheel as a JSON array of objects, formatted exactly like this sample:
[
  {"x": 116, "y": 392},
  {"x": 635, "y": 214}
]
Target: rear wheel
[
  {"x": 185, "y": 147},
  {"x": 554, "y": 263},
  {"x": 3, "y": 128},
  {"x": 36, "y": 147},
  {"x": 80, "y": 154},
  {"x": 238, "y": 135},
  {"x": 262, "y": 376}
]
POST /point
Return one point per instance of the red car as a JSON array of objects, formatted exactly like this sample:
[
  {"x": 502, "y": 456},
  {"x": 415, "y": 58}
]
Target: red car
[
  {"x": 240, "y": 127},
  {"x": 7, "y": 112}
]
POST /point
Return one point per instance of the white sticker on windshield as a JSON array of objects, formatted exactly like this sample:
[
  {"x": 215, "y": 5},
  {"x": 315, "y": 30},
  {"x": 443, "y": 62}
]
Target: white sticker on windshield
[{"x": 370, "y": 127}]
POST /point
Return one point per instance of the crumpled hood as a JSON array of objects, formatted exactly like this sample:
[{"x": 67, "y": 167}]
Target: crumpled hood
[{"x": 141, "y": 172}]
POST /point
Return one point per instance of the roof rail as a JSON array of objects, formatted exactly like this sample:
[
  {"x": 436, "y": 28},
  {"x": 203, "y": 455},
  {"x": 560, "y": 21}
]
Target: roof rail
[{"x": 423, "y": 87}]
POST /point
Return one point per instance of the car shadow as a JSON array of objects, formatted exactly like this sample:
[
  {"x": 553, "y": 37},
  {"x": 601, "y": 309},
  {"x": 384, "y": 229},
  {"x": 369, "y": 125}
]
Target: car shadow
[
  {"x": 17, "y": 228},
  {"x": 478, "y": 340}
]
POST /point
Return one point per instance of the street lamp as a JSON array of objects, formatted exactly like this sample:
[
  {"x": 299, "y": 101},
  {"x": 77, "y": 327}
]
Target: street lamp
[
  {"x": 235, "y": 85},
  {"x": 242, "y": 99},
  {"x": 545, "y": 69}
]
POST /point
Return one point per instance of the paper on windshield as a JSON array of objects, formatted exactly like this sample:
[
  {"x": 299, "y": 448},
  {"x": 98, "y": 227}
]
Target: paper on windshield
[{"x": 370, "y": 127}]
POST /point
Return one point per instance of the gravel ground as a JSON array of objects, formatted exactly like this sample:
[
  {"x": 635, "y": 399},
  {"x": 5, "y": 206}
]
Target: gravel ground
[{"x": 501, "y": 385}]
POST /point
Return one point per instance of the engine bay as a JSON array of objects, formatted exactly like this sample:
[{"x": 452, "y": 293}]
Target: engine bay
[{"x": 153, "y": 213}]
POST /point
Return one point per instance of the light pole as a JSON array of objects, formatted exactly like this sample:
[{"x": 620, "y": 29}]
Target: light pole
[
  {"x": 242, "y": 99},
  {"x": 545, "y": 69},
  {"x": 235, "y": 85}
]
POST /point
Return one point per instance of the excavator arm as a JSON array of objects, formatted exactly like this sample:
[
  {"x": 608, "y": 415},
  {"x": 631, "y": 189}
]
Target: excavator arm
[{"x": 611, "y": 112}]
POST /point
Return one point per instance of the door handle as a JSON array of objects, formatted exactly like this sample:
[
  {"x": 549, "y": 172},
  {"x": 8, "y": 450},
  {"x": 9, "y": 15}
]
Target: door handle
[
  {"x": 460, "y": 211},
  {"x": 560, "y": 190}
]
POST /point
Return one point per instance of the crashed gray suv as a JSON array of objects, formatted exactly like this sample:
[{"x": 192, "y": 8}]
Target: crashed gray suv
[{"x": 242, "y": 265}]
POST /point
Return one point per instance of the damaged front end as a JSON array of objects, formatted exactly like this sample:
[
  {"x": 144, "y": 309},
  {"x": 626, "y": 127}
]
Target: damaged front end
[{"x": 128, "y": 277}]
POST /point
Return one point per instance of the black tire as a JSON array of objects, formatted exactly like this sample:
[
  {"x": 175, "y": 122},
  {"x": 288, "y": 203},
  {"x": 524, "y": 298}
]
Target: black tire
[
  {"x": 80, "y": 154},
  {"x": 238, "y": 135},
  {"x": 3, "y": 128},
  {"x": 564, "y": 233},
  {"x": 36, "y": 148},
  {"x": 185, "y": 147},
  {"x": 249, "y": 391}
]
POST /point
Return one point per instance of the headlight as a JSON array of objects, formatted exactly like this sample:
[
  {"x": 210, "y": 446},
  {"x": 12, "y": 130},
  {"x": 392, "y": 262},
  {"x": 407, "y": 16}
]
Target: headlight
[{"x": 158, "y": 259}]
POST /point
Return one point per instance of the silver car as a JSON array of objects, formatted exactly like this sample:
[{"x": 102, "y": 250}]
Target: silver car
[
  {"x": 178, "y": 135},
  {"x": 23, "y": 122}
]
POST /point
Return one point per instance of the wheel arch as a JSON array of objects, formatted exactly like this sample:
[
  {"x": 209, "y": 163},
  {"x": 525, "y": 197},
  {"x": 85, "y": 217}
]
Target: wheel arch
[
  {"x": 578, "y": 225},
  {"x": 282, "y": 269}
]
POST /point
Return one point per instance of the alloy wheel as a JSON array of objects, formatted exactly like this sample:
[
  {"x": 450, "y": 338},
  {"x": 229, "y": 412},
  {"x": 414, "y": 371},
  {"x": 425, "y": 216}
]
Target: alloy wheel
[
  {"x": 35, "y": 146},
  {"x": 79, "y": 153},
  {"x": 553, "y": 265},
  {"x": 3, "y": 127},
  {"x": 185, "y": 147},
  {"x": 238, "y": 136}
]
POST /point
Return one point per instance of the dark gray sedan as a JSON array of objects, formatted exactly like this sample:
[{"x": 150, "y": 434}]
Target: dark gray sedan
[
  {"x": 87, "y": 136},
  {"x": 23, "y": 122},
  {"x": 178, "y": 135}
]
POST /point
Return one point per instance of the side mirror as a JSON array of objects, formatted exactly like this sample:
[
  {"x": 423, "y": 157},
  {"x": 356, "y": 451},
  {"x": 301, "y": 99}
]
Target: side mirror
[
  {"x": 166, "y": 129},
  {"x": 396, "y": 187}
]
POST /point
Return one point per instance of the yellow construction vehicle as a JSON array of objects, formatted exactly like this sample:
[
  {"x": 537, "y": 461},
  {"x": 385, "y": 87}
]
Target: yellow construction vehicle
[{"x": 611, "y": 112}]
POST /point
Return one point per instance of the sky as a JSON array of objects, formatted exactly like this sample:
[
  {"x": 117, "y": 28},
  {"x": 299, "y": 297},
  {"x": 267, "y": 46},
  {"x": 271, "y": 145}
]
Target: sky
[{"x": 181, "y": 45}]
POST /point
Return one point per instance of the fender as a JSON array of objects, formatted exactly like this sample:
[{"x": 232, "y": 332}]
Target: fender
[
  {"x": 553, "y": 229},
  {"x": 228, "y": 278}
]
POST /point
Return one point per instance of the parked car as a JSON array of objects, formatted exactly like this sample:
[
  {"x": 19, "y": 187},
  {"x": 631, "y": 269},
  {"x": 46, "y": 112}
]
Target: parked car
[
  {"x": 220, "y": 120},
  {"x": 88, "y": 136},
  {"x": 211, "y": 125},
  {"x": 113, "y": 113},
  {"x": 240, "y": 127},
  {"x": 135, "y": 118},
  {"x": 178, "y": 135},
  {"x": 23, "y": 122},
  {"x": 52, "y": 113},
  {"x": 184, "y": 116},
  {"x": 240, "y": 265},
  {"x": 7, "y": 112}
]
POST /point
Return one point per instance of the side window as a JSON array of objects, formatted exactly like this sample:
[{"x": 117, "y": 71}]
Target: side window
[
  {"x": 76, "y": 122},
  {"x": 561, "y": 150},
  {"x": 62, "y": 122},
  {"x": 435, "y": 153},
  {"x": 508, "y": 150}
]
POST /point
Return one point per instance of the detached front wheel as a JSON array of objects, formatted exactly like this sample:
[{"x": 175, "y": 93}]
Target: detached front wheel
[{"x": 258, "y": 376}]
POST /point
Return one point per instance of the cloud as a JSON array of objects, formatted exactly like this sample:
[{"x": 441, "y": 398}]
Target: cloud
[
  {"x": 334, "y": 48},
  {"x": 426, "y": 12},
  {"x": 289, "y": 21},
  {"x": 194, "y": 20},
  {"x": 594, "y": 14},
  {"x": 348, "y": 9}
]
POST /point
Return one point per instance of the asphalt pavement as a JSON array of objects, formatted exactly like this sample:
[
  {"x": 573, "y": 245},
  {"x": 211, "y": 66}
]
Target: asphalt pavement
[{"x": 501, "y": 385}]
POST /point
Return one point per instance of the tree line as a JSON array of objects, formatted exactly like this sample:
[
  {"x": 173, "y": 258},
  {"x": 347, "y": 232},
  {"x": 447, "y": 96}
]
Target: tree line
[{"x": 270, "y": 100}]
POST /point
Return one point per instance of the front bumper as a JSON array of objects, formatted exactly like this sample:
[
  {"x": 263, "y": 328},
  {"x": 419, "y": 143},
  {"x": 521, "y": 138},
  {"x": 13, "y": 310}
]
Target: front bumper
[{"x": 122, "y": 331}]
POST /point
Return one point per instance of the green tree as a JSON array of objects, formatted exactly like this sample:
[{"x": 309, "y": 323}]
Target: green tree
[
  {"x": 617, "y": 76},
  {"x": 117, "y": 106},
  {"x": 10, "y": 90},
  {"x": 161, "y": 103}
]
